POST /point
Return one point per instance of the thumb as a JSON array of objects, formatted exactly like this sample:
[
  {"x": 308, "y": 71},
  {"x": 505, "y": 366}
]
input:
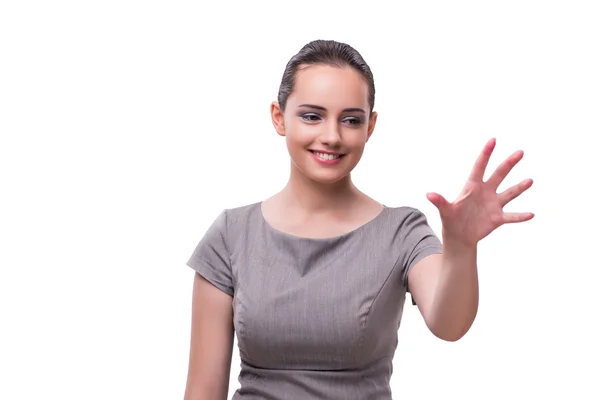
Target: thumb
[{"x": 437, "y": 200}]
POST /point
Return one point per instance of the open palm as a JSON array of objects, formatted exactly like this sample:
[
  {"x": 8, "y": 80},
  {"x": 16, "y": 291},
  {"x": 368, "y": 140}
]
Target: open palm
[{"x": 478, "y": 210}]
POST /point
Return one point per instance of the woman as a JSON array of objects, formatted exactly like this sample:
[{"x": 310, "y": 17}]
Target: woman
[{"x": 313, "y": 279}]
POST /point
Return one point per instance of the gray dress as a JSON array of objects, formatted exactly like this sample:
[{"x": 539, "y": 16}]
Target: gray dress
[{"x": 314, "y": 318}]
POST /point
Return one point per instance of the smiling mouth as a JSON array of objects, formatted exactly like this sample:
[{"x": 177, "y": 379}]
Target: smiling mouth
[{"x": 327, "y": 156}]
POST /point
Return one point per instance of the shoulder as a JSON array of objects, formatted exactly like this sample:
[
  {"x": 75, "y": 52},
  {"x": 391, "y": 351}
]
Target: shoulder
[
  {"x": 231, "y": 218},
  {"x": 402, "y": 210},
  {"x": 401, "y": 215},
  {"x": 242, "y": 214},
  {"x": 239, "y": 222},
  {"x": 407, "y": 223}
]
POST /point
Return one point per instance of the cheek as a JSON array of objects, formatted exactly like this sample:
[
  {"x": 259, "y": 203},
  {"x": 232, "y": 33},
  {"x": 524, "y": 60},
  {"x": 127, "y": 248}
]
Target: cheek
[
  {"x": 300, "y": 134},
  {"x": 356, "y": 138},
  {"x": 296, "y": 140}
]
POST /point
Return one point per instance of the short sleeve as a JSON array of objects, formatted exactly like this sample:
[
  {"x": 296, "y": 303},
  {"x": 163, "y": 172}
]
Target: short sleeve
[
  {"x": 419, "y": 241},
  {"x": 210, "y": 258}
]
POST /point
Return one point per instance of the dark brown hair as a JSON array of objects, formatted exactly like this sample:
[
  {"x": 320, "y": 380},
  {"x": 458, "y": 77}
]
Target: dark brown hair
[{"x": 326, "y": 52}]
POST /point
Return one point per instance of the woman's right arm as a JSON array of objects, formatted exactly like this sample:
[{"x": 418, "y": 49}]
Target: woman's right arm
[{"x": 211, "y": 343}]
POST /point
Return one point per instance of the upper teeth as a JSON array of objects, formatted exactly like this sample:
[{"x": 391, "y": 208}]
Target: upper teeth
[{"x": 327, "y": 156}]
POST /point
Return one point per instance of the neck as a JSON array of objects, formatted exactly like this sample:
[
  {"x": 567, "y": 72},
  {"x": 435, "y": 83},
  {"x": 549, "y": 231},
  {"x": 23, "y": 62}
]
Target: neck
[{"x": 316, "y": 197}]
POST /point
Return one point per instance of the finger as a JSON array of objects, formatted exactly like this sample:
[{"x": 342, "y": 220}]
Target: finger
[
  {"x": 482, "y": 161},
  {"x": 437, "y": 200},
  {"x": 503, "y": 169},
  {"x": 515, "y": 191},
  {"x": 511, "y": 218}
]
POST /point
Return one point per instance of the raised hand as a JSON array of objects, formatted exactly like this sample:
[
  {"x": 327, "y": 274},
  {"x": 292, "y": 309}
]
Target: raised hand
[{"x": 478, "y": 210}]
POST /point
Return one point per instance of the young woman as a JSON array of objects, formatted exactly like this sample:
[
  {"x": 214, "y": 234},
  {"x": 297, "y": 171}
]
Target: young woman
[{"x": 313, "y": 279}]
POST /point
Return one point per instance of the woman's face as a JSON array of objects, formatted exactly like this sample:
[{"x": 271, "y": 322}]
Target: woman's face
[{"x": 326, "y": 121}]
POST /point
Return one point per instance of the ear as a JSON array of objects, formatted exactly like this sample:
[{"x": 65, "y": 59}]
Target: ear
[
  {"x": 372, "y": 122},
  {"x": 277, "y": 118}
]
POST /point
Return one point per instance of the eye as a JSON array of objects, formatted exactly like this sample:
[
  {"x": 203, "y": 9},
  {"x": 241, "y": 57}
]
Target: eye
[
  {"x": 310, "y": 117},
  {"x": 353, "y": 120}
]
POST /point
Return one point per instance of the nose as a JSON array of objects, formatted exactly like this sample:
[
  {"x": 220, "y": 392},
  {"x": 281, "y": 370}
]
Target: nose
[{"x": 331, "y": 135}]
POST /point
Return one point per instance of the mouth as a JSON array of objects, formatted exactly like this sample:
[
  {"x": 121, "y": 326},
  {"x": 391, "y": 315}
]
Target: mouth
[{"x": 327, "y": 156}]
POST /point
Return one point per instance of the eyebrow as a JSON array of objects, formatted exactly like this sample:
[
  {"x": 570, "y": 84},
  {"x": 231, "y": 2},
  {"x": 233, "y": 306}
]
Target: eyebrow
[{"x": 324, "y": 109}]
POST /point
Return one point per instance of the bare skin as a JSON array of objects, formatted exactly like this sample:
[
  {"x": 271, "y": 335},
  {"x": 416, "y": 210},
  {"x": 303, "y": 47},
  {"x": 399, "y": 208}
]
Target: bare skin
[
  {"x": 445, "y": 286},
  {"x": 328, "y": 111},
  {"x": 211, "y": 344},
  {"x": 316, "y": 202},
  {"x": 285, "y": 212},
  {"x": 321, "y": 200}
]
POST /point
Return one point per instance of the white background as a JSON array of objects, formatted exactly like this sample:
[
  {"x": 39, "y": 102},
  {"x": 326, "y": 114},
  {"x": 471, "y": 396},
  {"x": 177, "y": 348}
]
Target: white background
[{"x": 127, "y": 126}]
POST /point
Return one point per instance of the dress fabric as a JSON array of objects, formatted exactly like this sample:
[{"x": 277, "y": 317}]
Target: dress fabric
[{"x": 314, "y": 318}]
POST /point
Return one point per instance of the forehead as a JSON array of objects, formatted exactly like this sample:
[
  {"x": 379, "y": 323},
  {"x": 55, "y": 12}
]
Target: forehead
[{"x": 330, "y": 87}]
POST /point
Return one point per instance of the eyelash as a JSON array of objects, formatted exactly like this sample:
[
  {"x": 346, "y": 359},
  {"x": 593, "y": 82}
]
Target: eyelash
[{"x": 304, "y": 117}]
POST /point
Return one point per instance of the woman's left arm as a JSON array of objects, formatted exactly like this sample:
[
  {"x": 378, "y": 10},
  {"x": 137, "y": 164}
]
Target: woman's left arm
[{"x": 445, "y": 286}]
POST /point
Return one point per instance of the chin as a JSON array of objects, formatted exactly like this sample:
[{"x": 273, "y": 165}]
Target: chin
[{"x": 327, "y": 177}]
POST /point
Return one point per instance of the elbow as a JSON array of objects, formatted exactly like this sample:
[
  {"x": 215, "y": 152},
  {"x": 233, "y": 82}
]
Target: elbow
[
  {"x": 449, "y": 336},
  {"x": 451, "y": 331}
]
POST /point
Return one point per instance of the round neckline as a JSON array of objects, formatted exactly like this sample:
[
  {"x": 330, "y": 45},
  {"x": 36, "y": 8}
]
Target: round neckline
[{"x": 323, "y": 239}]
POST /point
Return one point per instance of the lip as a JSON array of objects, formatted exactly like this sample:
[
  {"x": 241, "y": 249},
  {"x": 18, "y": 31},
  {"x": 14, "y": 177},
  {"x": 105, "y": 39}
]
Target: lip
[
  {"x": 327, "y": 162},
  {"x": 325, "y": 152}
]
